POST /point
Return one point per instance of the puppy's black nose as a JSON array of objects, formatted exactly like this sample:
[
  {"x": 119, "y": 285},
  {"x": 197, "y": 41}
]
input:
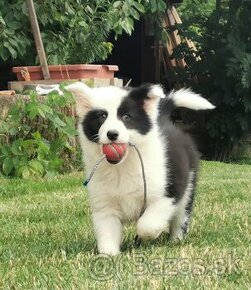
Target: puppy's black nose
[{"x": 112, "y": 135}]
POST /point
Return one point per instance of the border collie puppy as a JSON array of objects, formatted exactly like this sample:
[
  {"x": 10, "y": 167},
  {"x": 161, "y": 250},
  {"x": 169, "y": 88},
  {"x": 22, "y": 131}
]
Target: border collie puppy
[{"x": 140, "y": 116}]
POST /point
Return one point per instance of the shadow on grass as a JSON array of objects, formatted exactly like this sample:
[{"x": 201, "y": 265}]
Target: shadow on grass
[{"x": 162, "y": 241}]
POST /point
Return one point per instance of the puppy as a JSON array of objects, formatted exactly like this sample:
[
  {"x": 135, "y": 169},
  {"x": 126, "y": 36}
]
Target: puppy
[{"x": 140, "y": 116}]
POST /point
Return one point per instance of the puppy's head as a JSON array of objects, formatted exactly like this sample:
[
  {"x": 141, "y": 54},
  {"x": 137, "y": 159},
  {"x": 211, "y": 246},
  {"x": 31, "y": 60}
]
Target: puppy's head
[{"x": 116, "y": 115}]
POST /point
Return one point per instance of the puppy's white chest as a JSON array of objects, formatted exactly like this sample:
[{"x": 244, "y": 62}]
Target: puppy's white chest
[{"x": 121, "y": 191}]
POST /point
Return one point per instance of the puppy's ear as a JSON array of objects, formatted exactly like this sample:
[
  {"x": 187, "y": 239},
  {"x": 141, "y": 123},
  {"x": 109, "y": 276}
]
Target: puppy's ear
[
  {"x": 83, "y": 95},
  {"x": 154, "y": 94},
  {"x": 148, "y": 96}
]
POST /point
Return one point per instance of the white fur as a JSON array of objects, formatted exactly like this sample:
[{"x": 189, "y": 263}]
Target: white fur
[
  {"x": 156, "y": 92},
  {"x": 188, "y": 99}
]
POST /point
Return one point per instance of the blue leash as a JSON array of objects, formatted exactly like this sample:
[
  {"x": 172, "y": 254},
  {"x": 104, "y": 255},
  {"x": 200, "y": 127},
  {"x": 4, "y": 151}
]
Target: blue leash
[{"x": 85, "y": 182}]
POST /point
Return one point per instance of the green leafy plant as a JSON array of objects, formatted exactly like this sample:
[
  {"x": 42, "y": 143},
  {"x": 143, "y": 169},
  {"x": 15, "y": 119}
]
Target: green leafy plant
[
  {"x": 38, "y": 136},
  {"x": 222, "y": 72},
  {"x": 72, "y": 31}
]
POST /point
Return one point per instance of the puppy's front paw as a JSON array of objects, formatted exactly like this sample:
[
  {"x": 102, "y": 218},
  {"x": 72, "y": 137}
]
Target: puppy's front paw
[
  {"x": 148, "y": 229},
  {"x": 108, "y": 248}
]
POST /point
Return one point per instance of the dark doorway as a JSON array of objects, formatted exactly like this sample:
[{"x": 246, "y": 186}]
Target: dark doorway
[
  {"x": 6, "y": 74},
  {"x": 134, "y": 54}
]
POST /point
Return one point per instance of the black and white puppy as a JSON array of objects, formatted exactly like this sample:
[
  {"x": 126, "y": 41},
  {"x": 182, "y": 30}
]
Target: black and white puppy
[{"x": 140, "y": 116}]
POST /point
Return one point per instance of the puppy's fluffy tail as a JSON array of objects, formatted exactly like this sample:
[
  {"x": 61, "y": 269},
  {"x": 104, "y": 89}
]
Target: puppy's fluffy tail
[
  {"x": 184, "y": 98},
  {"x": 188, "y": 99}
]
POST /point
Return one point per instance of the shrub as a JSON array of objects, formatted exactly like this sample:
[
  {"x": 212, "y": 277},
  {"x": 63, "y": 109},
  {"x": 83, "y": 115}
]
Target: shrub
[
  {"x": 38, "y": 137},
  {"x": 222, "y": 73}
]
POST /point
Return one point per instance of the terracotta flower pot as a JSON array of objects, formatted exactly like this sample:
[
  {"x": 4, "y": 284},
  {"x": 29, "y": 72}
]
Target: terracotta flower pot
[{"x": 74, "y": 71}]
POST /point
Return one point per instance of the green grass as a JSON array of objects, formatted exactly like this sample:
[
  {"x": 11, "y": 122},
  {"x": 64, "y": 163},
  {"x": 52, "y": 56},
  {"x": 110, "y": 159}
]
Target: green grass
[{"x": 46, "y": 239}]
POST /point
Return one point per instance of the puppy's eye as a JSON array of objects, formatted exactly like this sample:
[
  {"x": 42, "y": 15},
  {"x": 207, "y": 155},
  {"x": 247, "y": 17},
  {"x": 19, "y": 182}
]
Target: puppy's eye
[
  {"x": 103, "y": 116},
  {"x": 126, "y": 117}
]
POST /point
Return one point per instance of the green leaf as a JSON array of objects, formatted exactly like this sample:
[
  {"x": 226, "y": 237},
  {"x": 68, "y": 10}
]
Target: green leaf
[
  {"x": 26, "y": 128},
  {"x": 117, "y": 4},
  {"x": 16, "y": 148},
  {"x": 13, "y": 131},
  {"x": 12, "y": 51},
  {"x": 89, "y": 9},
  {"x": 83, "y": 24},
  {"x": 68, "y": 8},
  {"x": 59, "y": 122},
  {"x": 46, "y": 108},
  {"x": 138, "y": 6},
  {"x": 55, "y": 163},
  {"x": 41, "y": 112},
  {"x": 2, "y": 20},
  {"x": 24, "y": 8},
  {"x": 7, "y": 165},
  {"x": 134, "y": 14},
  {"x": 14, "y": 25},
  {"x": 153, "y": 4},
  {"x": 4, "y": 53},
  {"x": 16, "y": 162},
  {"x": 161, "y": 6},
  {"x": 127, "y": 25},
  {"x": 71, "y": 132},
  {"x": 57, "y": 145},
  {"x": 25, "y": 172},
  {"x": 32, "y": 111},
  {"x": 6, "y": 150},
  {"x": 68, "y": 146},
  {"x": 70, "y": 121},
  {"x": 36, "y": 135},
  {"x": 37, "y": 166}
]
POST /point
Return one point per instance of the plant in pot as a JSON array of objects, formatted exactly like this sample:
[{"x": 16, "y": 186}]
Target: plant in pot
[{"x": 72, "y": 31}]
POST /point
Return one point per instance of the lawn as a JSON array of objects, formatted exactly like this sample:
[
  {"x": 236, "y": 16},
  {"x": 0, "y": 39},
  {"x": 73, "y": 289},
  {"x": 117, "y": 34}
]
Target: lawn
[{"x": 46, "y": 239}]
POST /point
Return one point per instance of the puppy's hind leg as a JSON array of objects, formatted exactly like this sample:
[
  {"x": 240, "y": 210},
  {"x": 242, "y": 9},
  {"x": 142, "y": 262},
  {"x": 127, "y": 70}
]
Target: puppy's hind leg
[{"x": 179, "y": 225}]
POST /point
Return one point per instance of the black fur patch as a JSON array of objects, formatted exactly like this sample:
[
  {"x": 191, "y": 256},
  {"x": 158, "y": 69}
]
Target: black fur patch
[
  {"x": 132, "y": 113},
  {"x": 139, "y": 94},
  {"x": 183, "y": 159},
  {"x": 181, "y": 154},
  {"x": 92, "y": 122}
]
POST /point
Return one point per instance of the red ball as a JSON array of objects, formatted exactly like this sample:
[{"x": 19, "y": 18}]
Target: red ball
[{"x": 114, "y": 152}]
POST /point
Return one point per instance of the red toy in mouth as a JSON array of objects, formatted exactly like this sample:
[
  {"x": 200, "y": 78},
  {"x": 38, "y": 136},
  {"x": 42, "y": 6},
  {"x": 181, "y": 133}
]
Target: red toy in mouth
[{"x": 114, "y": 152}]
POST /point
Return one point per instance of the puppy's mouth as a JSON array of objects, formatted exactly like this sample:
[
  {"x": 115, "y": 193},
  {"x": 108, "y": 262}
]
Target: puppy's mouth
[{"x": 114, "y": 152}]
